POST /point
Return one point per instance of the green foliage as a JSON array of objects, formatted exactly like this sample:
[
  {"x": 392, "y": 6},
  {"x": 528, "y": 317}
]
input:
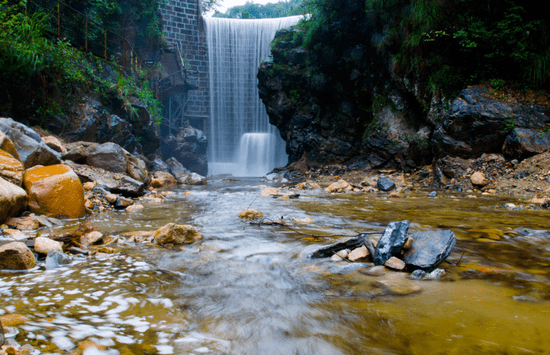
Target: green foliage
[
  {"x": 270, "y": 10},
  {"x": 450, "y": 43},
  {"x": 294, "y": 95},
  {"x": 56, "y": 72}
]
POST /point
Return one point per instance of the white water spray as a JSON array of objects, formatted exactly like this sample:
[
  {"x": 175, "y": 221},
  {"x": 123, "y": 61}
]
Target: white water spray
[{"x": 241, "y": 141}]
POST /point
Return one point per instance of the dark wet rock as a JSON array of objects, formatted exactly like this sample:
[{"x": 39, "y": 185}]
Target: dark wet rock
[
  {"x": 114, "y": 182},
  {"x": 476, "y": 123},
  {"x": 429, "y": 249},
  {"x": 391, "y": 242},
  {"x": 30, "y": 147},
  {"x": 95, "y": 123},
  {"x": 417, "y": 274},
  {"x": 57, "y": 259},
  {"x": 80, "y": 251},
  {"x": 176, "y": 168},
  {"x": 327, "y": 251},
  {"x": 385, "y": 184},
  {"x": 420, "y": 274},
  {"x": 189, "y": 148},
  {"x": 525, "y": 142},
  {"x": 156, "y": 164},
  {"x": 435, "y": 274},
  {"x": 453, "y": 167}
]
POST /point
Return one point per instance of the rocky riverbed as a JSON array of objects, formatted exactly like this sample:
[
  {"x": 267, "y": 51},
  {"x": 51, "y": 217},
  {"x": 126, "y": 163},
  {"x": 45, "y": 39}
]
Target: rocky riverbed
[{"x": 169, "y": 264}]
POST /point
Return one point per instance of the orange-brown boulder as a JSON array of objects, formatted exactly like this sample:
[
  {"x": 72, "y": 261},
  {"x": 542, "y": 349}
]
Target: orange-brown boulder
[
  {"x": 162, "y": 179},
  {"x": 11, "y": 169},
  {"x": 7, "y": 146},
  {"x": 54, "y": 190},
  {"x": 16, "y": 256},
  {"x": 176, "y": 234}
]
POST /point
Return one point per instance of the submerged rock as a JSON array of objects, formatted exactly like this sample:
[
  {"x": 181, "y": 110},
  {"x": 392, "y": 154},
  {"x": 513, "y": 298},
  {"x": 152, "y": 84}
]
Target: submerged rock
[
  {"x": 56, "y": 258},
  {"x": 391, "y": 242},
  {"x": 176, "y": 234},
  {"x": 398, "y": 283},
  {"x": 429, "y": 249},
  {"x": 250, "y": 214}
]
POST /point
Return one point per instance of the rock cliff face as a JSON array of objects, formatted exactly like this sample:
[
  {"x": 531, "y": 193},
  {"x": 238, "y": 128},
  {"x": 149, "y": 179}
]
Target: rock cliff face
[{"x": 365, "y": 109}]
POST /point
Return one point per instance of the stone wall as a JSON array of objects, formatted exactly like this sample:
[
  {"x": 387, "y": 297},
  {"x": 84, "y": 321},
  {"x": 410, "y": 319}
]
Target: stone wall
[{"x": 183, "y": 25}]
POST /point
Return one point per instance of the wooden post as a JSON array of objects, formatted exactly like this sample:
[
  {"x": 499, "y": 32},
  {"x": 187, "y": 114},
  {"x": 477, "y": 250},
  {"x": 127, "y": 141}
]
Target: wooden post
[
  {"x": 86, "y": 35},
  {"x": 105, "y": 44}
]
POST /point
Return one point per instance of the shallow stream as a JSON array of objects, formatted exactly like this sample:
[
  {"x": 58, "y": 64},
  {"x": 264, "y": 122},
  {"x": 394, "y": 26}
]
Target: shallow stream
[{"x": 247, "y": 289}]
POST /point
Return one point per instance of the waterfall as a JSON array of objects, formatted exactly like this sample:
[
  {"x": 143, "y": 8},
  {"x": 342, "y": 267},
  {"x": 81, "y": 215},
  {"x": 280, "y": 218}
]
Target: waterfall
[{"x": 241, "y": 141}]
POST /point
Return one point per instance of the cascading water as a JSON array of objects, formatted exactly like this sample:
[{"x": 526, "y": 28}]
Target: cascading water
[{"x": 241, "y": 141}]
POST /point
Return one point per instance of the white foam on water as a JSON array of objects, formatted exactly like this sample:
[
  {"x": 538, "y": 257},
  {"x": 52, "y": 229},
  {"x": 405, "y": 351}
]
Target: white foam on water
[
  {"x": 124, "y": 339},
  {"x": 59, "y": 338},
  {"x": 202, "y": 350},
  {"x": 72, "y": 292},
  {"x": 164, "y": 349}
]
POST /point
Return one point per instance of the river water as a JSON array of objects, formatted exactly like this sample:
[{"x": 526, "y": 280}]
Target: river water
[{"x": 247, "y": 289}]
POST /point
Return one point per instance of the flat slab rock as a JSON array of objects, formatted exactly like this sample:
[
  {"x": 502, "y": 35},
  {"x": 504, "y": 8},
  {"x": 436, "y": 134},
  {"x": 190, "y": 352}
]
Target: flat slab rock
[
  {"x": 391, "y": 242},
  {"x": 429, "y": 249}
]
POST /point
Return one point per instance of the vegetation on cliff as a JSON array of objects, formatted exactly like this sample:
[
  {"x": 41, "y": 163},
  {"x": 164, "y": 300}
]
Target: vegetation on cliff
[
  {"x": 41, "y": 76},
  {"x": 453, "y": 43}
]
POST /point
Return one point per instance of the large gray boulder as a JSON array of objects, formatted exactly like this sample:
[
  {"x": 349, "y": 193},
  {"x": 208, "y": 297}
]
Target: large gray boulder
[
  {"x": 30, "y": 147},
  {"x": 429, "y": 249},
  {"x": 176, "y": 168},
  {"x": 391, "y": 242},
  {"x": 114, "y": 182},
  {"x": 108, "y": 156}
]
